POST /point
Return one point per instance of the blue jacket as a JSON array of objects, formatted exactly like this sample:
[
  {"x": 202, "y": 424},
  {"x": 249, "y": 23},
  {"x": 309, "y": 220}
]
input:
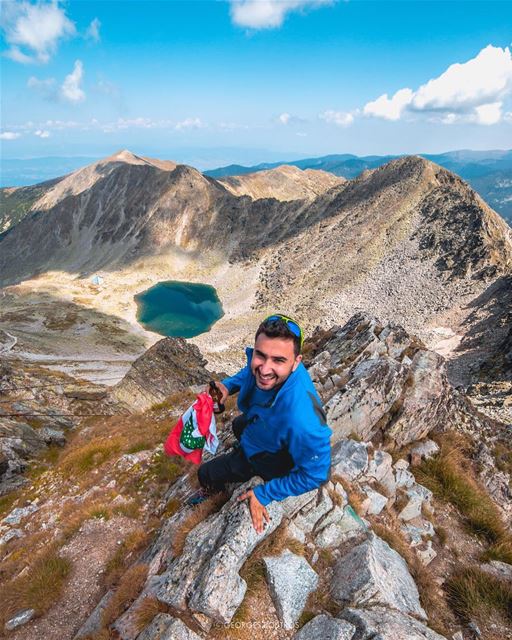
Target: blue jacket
[{"x": 296, "y": 421}]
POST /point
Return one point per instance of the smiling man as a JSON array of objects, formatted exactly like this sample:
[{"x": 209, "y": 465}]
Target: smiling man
[{"x": 282, "y": 433}]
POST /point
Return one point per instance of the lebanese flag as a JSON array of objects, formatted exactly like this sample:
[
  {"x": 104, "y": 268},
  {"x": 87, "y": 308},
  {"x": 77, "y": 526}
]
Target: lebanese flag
[{"x": 194, "y": 432}]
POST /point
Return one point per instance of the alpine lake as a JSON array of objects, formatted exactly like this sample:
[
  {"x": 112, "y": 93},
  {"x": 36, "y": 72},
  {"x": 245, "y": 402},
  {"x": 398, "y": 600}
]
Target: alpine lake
[{"x": 178, "y": 309}]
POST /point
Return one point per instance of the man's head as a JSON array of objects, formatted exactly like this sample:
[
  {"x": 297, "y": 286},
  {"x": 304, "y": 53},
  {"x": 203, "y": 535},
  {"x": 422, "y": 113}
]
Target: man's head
[{"x": 276, "y": 351}]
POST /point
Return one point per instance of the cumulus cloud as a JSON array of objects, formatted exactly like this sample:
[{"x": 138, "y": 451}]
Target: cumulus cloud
[
  {"x": 268, "y": 14},
  {"x": 33, "y": 31},
  {"x": 93, "y": 31},
  {"x": 42, "y": 133},
  {"x": 71, "y": 91},
  {"x": 472, "y": 91},
  {"x": 389, "y": 108},
  {"x": 339, "y": 118},
  {"x": 284, "y": 118},
  {"x": 9, "y": 135}
]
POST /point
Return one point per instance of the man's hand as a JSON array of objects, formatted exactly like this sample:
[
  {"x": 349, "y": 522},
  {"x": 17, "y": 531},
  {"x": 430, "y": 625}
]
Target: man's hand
[
  {"x": 222, "y": 388},
  {"x": 258, "y": 511}
]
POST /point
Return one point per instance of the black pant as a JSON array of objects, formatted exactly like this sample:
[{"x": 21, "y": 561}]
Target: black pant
[{"x": 236, "y": 467}]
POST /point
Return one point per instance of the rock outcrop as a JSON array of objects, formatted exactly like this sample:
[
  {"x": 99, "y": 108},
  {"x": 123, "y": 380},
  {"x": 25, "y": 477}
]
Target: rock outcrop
[{"x": 169, "y": 366}]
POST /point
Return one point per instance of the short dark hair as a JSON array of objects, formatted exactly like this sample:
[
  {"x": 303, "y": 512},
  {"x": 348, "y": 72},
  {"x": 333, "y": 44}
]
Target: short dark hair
[{"x": 278, "y": 328}]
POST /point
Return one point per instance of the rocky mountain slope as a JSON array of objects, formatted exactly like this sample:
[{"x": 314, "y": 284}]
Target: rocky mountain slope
[
  {"x": 388, "y": 548},
  {"x": 283, "y": 183},
  {"x": 409, "y": 241},
  {"x": 488, "y": 172}
]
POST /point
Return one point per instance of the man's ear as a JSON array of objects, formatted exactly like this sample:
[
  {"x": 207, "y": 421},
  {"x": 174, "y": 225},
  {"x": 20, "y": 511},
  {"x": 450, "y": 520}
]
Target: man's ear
[{"x": 297, "y": 362}]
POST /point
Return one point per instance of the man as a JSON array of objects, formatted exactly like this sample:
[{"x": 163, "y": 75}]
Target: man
[{"x": 282, "y": 433}]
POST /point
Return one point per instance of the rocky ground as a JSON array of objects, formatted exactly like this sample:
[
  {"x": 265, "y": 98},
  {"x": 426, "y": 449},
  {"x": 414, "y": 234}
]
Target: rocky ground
[{"x": 377, "y": 551}]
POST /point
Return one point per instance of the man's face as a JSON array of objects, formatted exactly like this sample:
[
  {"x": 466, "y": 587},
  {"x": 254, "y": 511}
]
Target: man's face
[{"x": 272, "y": 361}]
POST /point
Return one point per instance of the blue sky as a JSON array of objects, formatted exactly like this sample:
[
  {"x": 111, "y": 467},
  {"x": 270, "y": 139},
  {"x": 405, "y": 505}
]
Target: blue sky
[{"x": 254, "y": 80}]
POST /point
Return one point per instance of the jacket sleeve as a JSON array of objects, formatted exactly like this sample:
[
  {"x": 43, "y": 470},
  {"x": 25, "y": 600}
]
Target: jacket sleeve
[
  {"x": 311, "y": 453},
  {"x": 234, "y": 383}
]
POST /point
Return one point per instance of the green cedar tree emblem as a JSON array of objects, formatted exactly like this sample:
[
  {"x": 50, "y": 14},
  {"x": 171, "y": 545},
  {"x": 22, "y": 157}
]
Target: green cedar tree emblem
[{"x": 188, "y": 440}]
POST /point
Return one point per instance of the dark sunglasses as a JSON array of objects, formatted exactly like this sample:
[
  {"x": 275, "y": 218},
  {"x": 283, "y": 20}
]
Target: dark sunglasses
[{"x": 291, "y": 324}]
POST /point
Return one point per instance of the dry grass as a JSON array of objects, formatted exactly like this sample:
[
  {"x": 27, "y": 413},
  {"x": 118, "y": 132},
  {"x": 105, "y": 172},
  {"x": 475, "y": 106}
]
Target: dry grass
[
  {"x": 39, "y": 586},
  {"x": 450, "y": 477},
  {"x": 124, "y": 554},
  {"x": 129, "y": 587},
  {"x": 503, "y": 457},
  {"x": 92, "y": 455},
  {"x": 356, "y": 497},
  {"x": 147, "y": 609},
  {"x": 198, "y": 514},
  {"x": 477, "y": 595}
]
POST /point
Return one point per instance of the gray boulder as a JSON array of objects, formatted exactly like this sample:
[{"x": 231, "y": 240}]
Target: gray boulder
[
  {"x": 349, "y": 459},
  {"x": 372, "y": 574},
  {"x": 165, "y": 627},
  {"x": 323, "y": 627},
  {"x": 291, "y": 580},
  {"x": 380, "y": 623},
  {"x": 214, "y": 552},
  {"x": 21, "y": 618}
]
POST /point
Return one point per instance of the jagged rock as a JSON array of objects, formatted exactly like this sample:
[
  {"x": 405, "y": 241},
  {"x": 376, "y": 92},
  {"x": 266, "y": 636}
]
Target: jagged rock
[
  {"x": 499, "y": 569},
  {"x": 85, "y": 392},
  {"x": 394, "y": 386},
  {"x": 340, "y": 529},
  {"x": 169, "y": 366},
  {"x": 53, "y": 436},
  {"x": 403, "y": 477},
  {"x": 418, "y": 529},
  {"x": 349, "y": 459},
  {"x": 379, "y": 623},
  {"x": 374, "y": 386},
  {"x": 295, "y": 533},
  {"x": 371, "y": 574},
  {"x": 291, "y": 580},
  {"x": 22, "y": 617},
  {"x": 426, "y": 553},
  {"x": 418, "y": 496},
  {"x": 380, "y": 468},
  {"x": 374, "y": 502},
  {"x": 324, "y": 627},
  {"x": 308, "y": 517},
  {"x": 94, "y": 623},
  {"x": 165, "y": 627},
  {"x": 10, "y": 535},
  {"x": 17, "y": 515},
  {"x": 424, "y": 451},
  {"x": 213, "y": 554},
  {"x": 18, "y": 443}
]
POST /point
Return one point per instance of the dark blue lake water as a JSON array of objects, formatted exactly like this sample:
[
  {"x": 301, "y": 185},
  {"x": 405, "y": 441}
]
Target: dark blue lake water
[{"x": 178, "y": 309}]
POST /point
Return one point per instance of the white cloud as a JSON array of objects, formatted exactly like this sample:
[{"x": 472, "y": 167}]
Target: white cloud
[
  {"x": 389, "y": 108},
  {"x": 71, "y": 90},
  {"x": 339, "y": 118},
  {"x": 34, "y": 30},
  {"x": 41, "y": 133},
  {"x": 284, "y": 118},
  {"x": 268, "y": 14},
  {"x": 9, "y": 135},
  {"x": 190, "y": 123},
  {"x": 93, "y": 31},
  {"x": 472, "y": 91}
]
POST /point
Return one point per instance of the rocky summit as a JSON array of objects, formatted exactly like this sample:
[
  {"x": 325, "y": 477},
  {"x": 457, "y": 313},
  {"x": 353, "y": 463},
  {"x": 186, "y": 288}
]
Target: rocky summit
[{"x": 402, "y": 278}]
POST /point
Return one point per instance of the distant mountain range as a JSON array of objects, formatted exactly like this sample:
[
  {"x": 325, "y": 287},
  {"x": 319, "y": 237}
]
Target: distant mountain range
[{"x": 488, "y": 172}]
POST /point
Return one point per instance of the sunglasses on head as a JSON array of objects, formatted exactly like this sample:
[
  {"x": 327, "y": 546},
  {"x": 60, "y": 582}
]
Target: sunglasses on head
[{"x": 291, "y": 324}]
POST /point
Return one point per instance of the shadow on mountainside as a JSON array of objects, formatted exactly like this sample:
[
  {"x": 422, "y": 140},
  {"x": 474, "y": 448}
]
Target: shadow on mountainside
[{"x": 486, "y": 349}]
